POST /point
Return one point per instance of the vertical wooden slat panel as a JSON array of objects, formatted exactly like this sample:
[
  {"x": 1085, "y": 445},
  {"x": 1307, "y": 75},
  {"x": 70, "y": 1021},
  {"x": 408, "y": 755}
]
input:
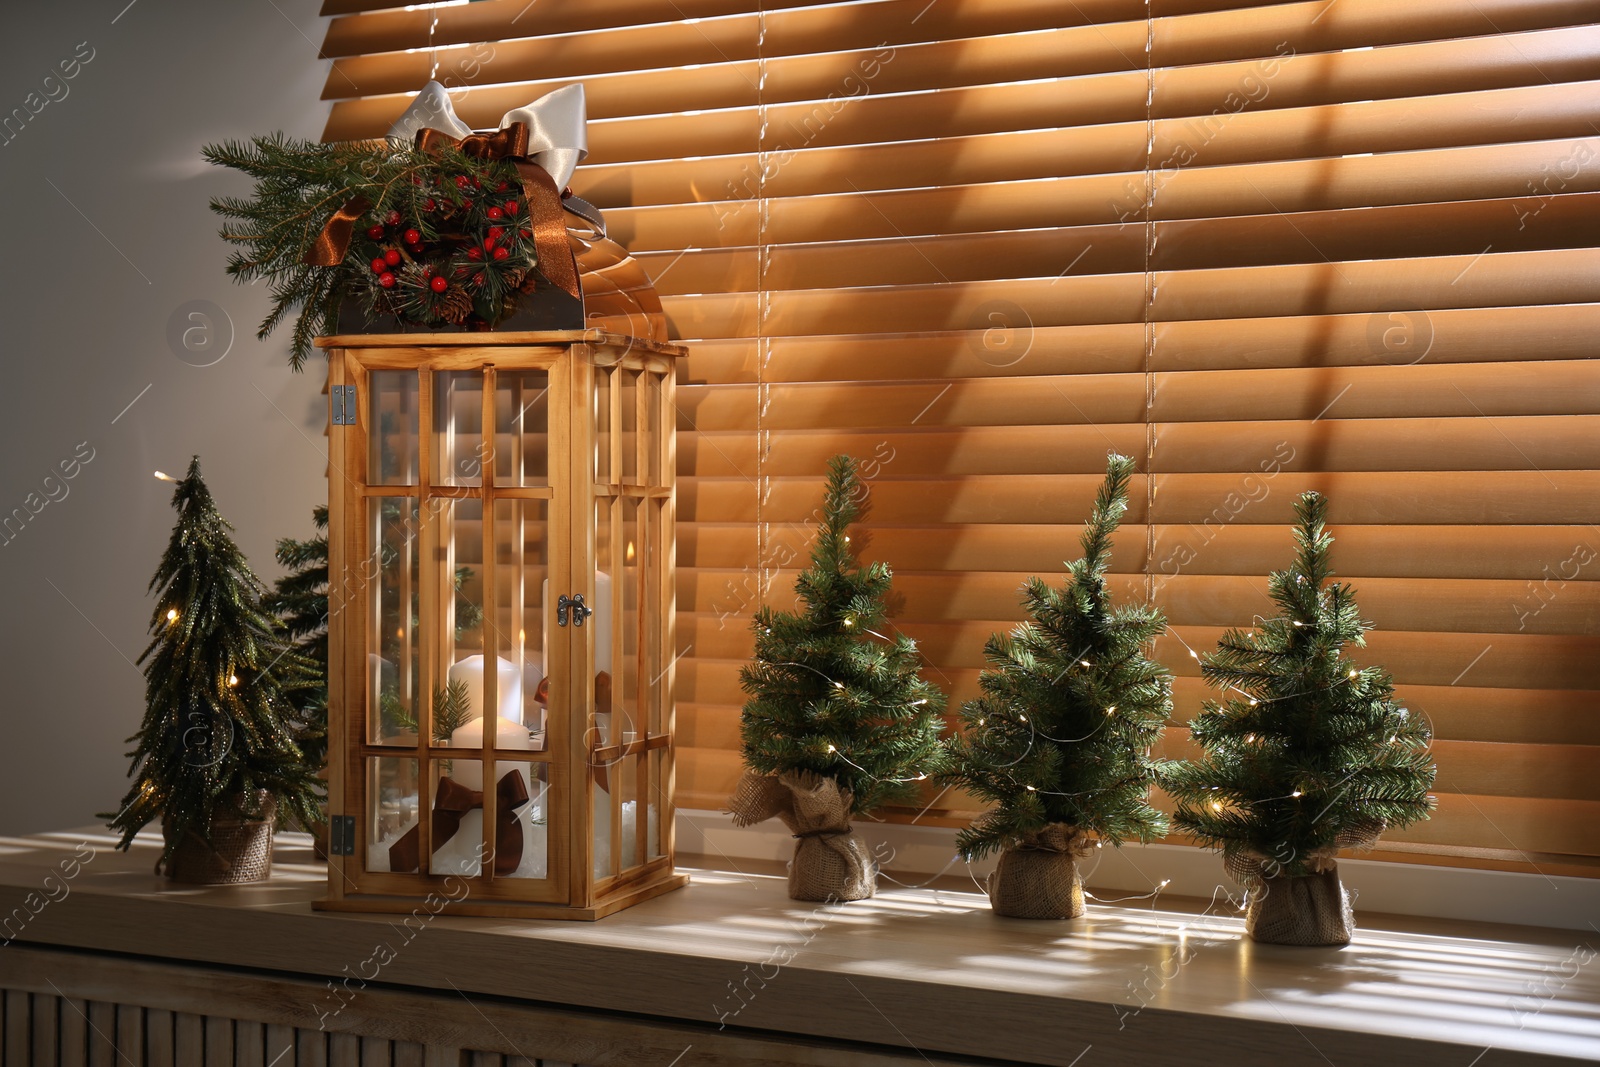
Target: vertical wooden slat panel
[
  {"x": 189, "y": 1038},
  {"x": 487, "y": 1059},
  {"x": 130, "y": 1035},
  {"x": 311, "y": 1048},
  {"x": 74, "y": 1030},
  {"x": 159, "y": 1047},
  {"x": 219, "y": 1041},
  {"x": 280, "y": 1046},
  {"x": 102, "y": 1034},
  {"x": 443, "y": 1056},
  {"x": 409, "y": 1054},
  {"x": 249, "y": 1044},
  {"x": 344, "y": 1050},
  {"x": 46, "y": 1027},
  {"x": 378, "y": 1051},
  {"x": 18, "y": 1029}
]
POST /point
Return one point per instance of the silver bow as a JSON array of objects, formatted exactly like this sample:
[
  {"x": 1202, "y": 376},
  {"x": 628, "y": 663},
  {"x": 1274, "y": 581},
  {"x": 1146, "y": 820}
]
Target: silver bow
[{"x": 557, "y": 138}]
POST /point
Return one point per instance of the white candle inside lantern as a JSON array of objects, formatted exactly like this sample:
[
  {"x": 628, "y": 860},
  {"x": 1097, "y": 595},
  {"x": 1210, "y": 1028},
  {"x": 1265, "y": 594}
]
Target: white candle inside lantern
[
  {"x": 508, "y": 734},
  {"x": 508, "y": 691}
]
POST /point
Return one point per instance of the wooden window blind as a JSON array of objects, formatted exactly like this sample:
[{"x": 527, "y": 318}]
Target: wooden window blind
[{"x": 1349, "y": 245}]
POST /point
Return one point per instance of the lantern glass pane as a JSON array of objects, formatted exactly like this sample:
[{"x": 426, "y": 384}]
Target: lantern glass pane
[
  {"x": 518, "y": 847},
  {"x": 605, "y": 862},
  {"x": 602, "y": 425},
  {"x": 626, "y": 774},
  {"x": 457, "y": 446},
  {"x": 601, "y": 627},
  {"x": 392, "y": 436},
  {"x": 653, "y": 417},
  {"x": 391, "y": 810},
  {"x": 390, "y": 579},
  {"x": 522, "y": 428},
  {"x": 457, "y": 578},
  {"x": 522, "y": 588},
  {"x": 658, "y": 790},
  {"x": 635, "y": 550},
  {"x": 629, "y": 383}
]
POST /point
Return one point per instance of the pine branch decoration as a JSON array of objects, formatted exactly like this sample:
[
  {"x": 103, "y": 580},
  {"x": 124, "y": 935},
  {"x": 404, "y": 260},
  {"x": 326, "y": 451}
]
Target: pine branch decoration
[{"x": 444, "y": 240}]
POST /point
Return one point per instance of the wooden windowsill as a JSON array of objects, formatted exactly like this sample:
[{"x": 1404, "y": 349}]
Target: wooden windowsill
[{"x": 931, "y": 971}]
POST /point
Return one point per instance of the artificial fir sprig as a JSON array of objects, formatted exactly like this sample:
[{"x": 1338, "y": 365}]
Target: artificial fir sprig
[
  {"x": 1314, "y": 753},
  {"x": 442, "y": 239},
  {"x": 1071, "y": 705},
  {"x": 827, "y": 693}
]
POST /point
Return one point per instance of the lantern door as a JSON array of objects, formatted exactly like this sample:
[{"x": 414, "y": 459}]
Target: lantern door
[
  {"x": 458, "y": 494},
  {"x": 627, "y": 477}
]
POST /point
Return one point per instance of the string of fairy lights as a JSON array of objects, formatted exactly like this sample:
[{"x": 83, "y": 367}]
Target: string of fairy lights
[{"x": 1036, "y": 734}]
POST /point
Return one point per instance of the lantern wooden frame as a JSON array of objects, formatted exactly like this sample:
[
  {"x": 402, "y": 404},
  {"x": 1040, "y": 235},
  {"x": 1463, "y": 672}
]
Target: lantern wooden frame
[{"x": 598, "y": 471}]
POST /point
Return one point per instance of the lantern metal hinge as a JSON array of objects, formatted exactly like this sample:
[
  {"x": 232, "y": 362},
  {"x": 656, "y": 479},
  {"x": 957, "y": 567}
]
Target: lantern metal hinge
[
  {"x": 344, "y": 405},
  {"x": 342, "y": 835},
  {"x": 575, "y": 604}
]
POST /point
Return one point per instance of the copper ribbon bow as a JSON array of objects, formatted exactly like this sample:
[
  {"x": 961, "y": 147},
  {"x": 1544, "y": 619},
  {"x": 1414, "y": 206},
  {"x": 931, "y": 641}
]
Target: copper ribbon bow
[{"x": 451, "y": 804}]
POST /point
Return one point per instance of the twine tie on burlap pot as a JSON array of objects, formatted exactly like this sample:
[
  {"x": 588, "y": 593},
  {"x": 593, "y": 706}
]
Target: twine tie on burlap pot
[
  {"x": 1037, "y": 877},
  {"x": 830, "y": 863},
  {"x": 1308, "y": 909}
]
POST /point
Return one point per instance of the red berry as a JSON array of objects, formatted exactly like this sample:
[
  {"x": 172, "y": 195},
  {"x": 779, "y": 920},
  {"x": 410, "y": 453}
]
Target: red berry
[
  {"x": 474, "y": 253},
  {"x": 375, "y": 232},
  {"x": 438, "y": 283},
  {"x": 502, "y": 187},
  {"x": 496, "y": 232},
  {"x": 393, "y": 218},
  {"x": 465, "y": 204},
  {"x": 495, "y": 213},
  {"x": 461, "y": 181},
  {"x": 477, "y": 279},
  {"x": 476, "y": 184},
  {"x": 379, "y": 265},
  {"x": 526, "y": 234},
  {"x": 430, "y": 204},
  {"x": 511, "y": 207},
  {"x": 386, "y": 280},
  {"x": 501, "y": 253},
  {"x": 412, "y": 237},
  {"x": 392, "y": 257}
]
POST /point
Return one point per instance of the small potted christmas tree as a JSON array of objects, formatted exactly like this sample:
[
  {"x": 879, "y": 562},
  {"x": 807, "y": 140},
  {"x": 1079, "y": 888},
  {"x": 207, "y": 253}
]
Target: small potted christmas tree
[
  {"x": 1059, "y": 741},
  {"x": 1311, "y": 756},
  {"x": 216, "y": 755},
  {"x": 838, "y": 720}
]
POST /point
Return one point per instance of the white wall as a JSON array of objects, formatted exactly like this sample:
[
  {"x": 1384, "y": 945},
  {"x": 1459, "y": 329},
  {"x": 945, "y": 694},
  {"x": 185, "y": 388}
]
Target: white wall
[{"x": 104, "y": 233}]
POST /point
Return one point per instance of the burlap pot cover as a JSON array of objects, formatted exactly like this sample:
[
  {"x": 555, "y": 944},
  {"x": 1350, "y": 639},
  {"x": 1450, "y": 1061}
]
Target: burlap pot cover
[
  {"x": 830, "y": 864},
  {"x": 1038, "y": 877},
  {"x": 1311, "y": 909},
  {"x": 240, "y": 849}
]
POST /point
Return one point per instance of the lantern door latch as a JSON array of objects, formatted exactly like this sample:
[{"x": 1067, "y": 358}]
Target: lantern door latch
[
  {"x": 342, "y": 835},
  {"x": 574, "y": 605},
  {"x": 344, "y": 405}
]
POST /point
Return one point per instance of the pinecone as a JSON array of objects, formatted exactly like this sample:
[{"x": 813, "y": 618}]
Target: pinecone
[{"x": 455, "y": 305}]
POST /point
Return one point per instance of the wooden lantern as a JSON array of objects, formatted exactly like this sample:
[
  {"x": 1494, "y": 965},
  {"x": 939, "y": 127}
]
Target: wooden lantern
[{"x": 500, "y": 535}]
